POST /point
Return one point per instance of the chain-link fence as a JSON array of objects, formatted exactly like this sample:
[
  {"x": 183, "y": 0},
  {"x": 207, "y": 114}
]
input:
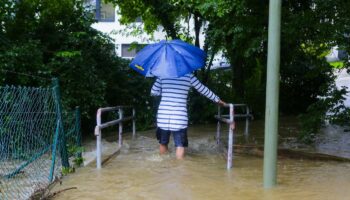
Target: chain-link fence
[{"x": 35, "y": 146}]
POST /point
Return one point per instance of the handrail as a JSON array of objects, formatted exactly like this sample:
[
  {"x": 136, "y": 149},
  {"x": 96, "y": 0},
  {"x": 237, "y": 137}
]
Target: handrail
[
  {"x": 230, "y": 120},
  {"x": 247, "y": 115},
  {"x": 99, "y": 126},
  {"x": 231, "y": 124}
]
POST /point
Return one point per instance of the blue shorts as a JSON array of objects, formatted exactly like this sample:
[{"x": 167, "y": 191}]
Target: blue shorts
[{"x": 180, "y": 137}]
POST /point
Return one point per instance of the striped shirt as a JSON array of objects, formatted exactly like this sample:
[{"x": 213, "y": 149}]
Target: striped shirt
[{"x": 172, "y": 110}]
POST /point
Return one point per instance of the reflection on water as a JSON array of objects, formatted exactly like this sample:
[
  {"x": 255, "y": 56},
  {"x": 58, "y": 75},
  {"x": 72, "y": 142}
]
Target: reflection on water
[{"x": 139, "y": 172}]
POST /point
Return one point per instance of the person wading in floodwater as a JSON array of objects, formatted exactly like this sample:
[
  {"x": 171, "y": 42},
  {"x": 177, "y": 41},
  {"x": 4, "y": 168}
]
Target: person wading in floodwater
[
  {"x": 173, "y": 63},
  {"x": 172, "y": 111}
]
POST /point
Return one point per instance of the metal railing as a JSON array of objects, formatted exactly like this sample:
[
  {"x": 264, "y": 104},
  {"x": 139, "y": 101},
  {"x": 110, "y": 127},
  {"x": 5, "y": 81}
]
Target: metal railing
[
  {"x": 246, "y": 114},
  {"x": 100, "y": 126},
  {"x": 230, "y": 120}
]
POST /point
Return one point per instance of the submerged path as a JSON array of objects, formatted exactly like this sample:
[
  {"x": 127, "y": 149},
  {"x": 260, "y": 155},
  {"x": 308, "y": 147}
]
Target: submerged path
[{"x": 138, "y": 172}]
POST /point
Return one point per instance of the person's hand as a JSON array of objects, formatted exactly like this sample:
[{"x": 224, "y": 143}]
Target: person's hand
[{"x": 221, "y": 103}]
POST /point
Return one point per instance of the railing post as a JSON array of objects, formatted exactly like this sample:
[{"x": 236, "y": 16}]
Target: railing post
[
  {"x": 133, "y": 122},
  {"x": 218, "y": 128},
  {"x": 63, "y": 147},
  {"x": 98, "y": 148},
  {"x": 100, "y": 126},
  {"x": 120, "y": 128},
  {"x": 98, "y": 139},
  {"x": 54, "y": 147},
  {"x": 78, "y": 129},
  {"x": 230, "y": 138},
  {"x": 246, "y": 131}
]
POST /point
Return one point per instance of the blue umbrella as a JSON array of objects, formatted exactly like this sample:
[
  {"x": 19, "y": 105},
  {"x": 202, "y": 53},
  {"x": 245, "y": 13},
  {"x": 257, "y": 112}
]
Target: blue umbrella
[{"x": 168, "y": 59}]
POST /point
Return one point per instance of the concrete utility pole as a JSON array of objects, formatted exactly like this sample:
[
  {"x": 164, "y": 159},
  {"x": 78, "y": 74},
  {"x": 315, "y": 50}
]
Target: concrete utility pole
[{"x": 272, "y": 94}]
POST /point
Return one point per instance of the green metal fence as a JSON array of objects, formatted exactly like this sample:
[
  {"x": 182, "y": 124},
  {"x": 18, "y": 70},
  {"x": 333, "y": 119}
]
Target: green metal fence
[{"x": 37, "y": 139}]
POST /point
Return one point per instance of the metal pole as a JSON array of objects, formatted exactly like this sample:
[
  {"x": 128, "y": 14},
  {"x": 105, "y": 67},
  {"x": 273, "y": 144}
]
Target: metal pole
[
  {"x": 272, "y": 94},
  {"x": 120, "y": 127},
  {"x": 98, "y": 150},
  {"x": 98, "y": 139},
  {"x": 63, "y": 147},
  {"x": 78, "y": 129},
  {"x": 230, "y": 140},
  {"x": 54, "y": 146},
  {"x": 133, "y": 122}
]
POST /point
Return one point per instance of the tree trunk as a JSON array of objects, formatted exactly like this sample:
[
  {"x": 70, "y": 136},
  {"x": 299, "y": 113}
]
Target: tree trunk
[
  {"x": 197, "y": 28},
  {"x": 207, "y": 72},
  {"x": 238, "y": 79}
]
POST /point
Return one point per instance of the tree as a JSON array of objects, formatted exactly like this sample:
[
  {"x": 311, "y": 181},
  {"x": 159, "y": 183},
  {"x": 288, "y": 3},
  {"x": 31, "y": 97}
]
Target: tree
[
  {"x": 54, "y": 38},
  {"x": 239, "y": 29}
]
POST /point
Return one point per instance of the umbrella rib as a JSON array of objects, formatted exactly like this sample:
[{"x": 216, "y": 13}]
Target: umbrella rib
[
  {"x": 182, "y": 57},
  {"x": 198, "y": 52},
  {"x": 150, "y": 58}
]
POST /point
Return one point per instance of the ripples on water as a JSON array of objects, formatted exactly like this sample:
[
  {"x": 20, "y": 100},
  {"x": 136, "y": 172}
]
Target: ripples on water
[{"x": 139, "y": 172}]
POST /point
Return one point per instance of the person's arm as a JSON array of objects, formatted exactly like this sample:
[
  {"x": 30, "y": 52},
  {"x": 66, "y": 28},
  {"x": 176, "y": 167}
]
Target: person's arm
[
  {"x": 221, "y": 103},
  {"x": 156, "y": 88},
  {"x": 204, "y": 90}
]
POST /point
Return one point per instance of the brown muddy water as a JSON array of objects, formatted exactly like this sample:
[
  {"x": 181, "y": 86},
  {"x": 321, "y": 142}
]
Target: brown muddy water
[{"x": 139, "y": 172}]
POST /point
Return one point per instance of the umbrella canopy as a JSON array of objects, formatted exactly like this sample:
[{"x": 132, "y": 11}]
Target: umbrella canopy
[{"x": 168, "y": 59}]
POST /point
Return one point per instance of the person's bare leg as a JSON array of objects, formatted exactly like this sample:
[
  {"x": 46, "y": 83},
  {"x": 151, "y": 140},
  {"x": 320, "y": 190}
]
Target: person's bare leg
[
  {"x": 163, "y": 148},
  {"x": 180, "y": 152}
]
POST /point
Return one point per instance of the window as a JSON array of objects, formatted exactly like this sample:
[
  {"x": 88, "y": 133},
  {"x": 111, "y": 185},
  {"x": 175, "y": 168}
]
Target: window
[
  {"x": 127, "y": 51},
  {"x": 104, "y": 12},
  {"x": 342, "y": 55},
  {"x": 107, "y": 12},
  {"x": 130, "y": 50}
]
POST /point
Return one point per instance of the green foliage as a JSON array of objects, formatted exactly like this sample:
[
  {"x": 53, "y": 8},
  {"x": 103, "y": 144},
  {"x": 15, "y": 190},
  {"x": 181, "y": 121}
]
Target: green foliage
[
  {"x": 67, "y": 170},
  {"x": 239, "y": 29},
  {"x": 255, "y": 90},
  {"x": 153, "y": 13},
  {"x": 55, "y": 39},
  {"x": 329, "y": 108},
  {"x": 306, "y": 36},
  {"x": 337, "y": 65},
  {"x": 78, "y": 161},
  {"x": 74, "y": 150},
  {"x": 306, "y": 78},
  {"x": 21, "y": 58}
]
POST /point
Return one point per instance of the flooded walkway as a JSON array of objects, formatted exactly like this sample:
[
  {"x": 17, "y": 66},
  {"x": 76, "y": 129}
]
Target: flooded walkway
[{"x": 138, "y": 172}]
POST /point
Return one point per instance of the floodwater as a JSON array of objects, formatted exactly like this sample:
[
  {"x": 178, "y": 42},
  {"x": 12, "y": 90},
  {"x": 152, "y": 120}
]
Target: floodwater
[{"x": 139, "y": 172}]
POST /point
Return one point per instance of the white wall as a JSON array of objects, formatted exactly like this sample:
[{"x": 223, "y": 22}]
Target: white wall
[{"x": 120, "y": 33}]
